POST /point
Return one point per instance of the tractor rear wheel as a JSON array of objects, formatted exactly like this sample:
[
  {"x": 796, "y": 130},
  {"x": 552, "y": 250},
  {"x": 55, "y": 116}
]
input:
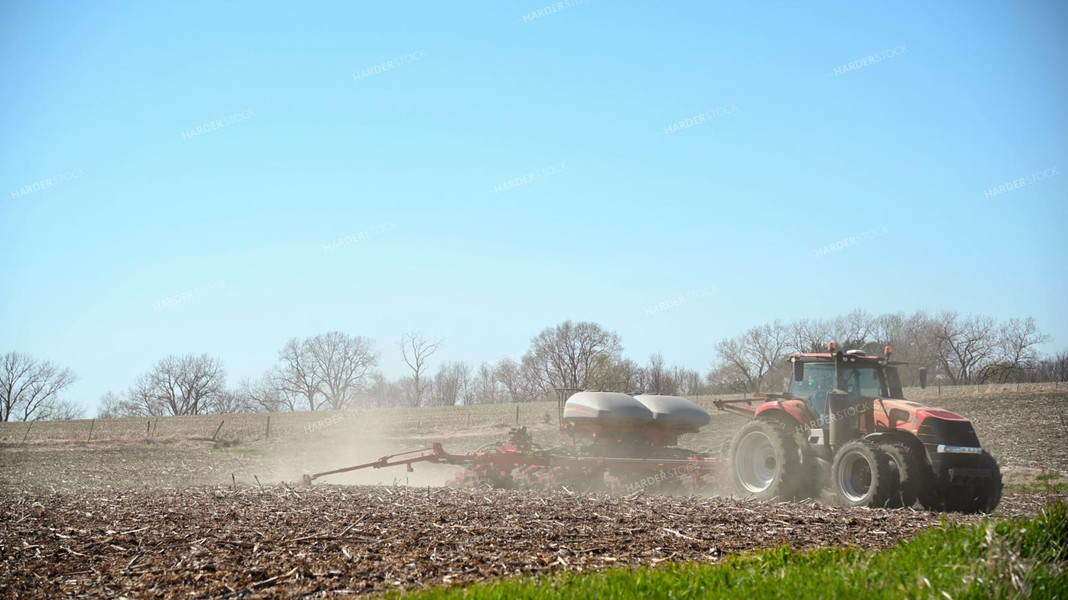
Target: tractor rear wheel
[
  {"x": 981, "y": 497},
  {"x": 765, "y": 461},
  {"x": 904, "y": 461},
  {"x": 862, "y": 475}
]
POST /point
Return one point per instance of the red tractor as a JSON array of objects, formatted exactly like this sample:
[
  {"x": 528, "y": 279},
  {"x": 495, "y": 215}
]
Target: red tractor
[{"x": 844, "y": 426}]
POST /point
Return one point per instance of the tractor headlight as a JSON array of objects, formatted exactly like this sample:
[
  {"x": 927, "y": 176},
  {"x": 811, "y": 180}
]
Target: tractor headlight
[{"x": 959, "y": 449}]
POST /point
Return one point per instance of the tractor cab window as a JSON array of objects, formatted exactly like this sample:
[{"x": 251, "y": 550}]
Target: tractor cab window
[
  {"x": 818, "y": 382},
  {"x": 860, "y": 381}
]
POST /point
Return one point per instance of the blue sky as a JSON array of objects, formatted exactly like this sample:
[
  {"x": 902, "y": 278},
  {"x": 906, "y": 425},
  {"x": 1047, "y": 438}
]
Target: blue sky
[{"x": 99, "y": 95}]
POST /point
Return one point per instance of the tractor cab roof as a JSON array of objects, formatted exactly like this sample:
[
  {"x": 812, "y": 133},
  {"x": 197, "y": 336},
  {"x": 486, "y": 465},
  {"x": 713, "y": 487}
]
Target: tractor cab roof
[{"x": 850, "y": 356}]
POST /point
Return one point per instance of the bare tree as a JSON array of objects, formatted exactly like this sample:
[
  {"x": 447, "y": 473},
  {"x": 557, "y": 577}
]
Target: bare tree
[
  {"x": 808, "y": 335},
  {"x": 689, "y": 382},
  {"x": 416, "y": 350},
  {"x": 231, "y": 402},
  {"x": 614, "y": 373},
  {"x": 520, "y": 385},
  {"x": 753, "y": 355},
  {"x": 914, "y": 339},
  {"x": 450, "y": 384},
  {"x": 656, "y": 374},
  {"x": 344, "y": 363},
  {"x": 566, "y": 356},
  {"x": 964, "y": 345},
  {"x": 177, "y": 385},
  {"x": 63, "y": 410},
  {"x": 728, "y": 378},
  {"x": 110, "y": 406},
  {"x": 265, "y": 394},
  {"x": 1017, "y": 346},
  {"x": 1053, "y": 368},
  {"x": 298, "y": 376},
  {"x": 853, "y": 331},
  {"x": 483, "y": 387},
  {"x": 29, "y": 388},
  {"x": 386, "y": 393},
  {"x": 735, "y": 365}
]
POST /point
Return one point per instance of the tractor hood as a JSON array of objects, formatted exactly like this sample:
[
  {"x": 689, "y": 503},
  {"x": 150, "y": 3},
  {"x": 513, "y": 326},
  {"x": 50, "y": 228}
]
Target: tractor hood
[{"x": 908, "y": 415}]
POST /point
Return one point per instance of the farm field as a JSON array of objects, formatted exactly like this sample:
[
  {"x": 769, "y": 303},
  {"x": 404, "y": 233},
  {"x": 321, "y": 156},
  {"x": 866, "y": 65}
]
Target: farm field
[{"x": 160, "y": 509}]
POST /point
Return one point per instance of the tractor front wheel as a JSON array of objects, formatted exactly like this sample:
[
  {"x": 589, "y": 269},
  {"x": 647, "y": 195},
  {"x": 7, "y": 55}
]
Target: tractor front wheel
[
  {"x": 983, "y": 497},
  {"x": 907, "y": 465},
  {"x": 862, "y": 475},
  {"x": 765, "y": 461}
]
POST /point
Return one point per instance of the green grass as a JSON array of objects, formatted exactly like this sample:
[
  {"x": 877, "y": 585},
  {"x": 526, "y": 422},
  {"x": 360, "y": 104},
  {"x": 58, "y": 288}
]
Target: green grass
[
  {"x": 1037, "y": 488},
  {"x": 1008, "y": 559},
  {"x": 1043, "y": 484}
]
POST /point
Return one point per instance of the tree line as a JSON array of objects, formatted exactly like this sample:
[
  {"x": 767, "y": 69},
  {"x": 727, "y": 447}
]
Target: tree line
[
  {"x": 335, "y": 370},
  {"x": 956, "y": 350}
]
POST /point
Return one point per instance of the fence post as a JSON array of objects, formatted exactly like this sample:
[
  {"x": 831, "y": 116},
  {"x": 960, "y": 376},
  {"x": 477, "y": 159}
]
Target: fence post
[
  {"x": 91, "y": 425},
  {"x": 148, "y": 429},
  {"x": 217, "y": 430},
  {"x": 27, "y": 432}
]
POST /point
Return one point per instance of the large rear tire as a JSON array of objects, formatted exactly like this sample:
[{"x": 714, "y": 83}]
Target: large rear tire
[
  {"x": 907, "y": 465},
  {"x": 862, "y": 476},
  {"x": 766, "y": 461}
]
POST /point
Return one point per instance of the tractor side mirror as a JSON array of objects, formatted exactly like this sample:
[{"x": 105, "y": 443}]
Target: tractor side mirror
[
  {"x": 799, "y": 370},
  {"x": 923, "y": 377}
]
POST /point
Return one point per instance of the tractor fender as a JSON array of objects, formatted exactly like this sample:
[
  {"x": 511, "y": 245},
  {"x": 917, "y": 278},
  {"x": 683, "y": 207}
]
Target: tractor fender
[
  {"x": 904, "y": 437},
  {"x": 794, "y": 414}
]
